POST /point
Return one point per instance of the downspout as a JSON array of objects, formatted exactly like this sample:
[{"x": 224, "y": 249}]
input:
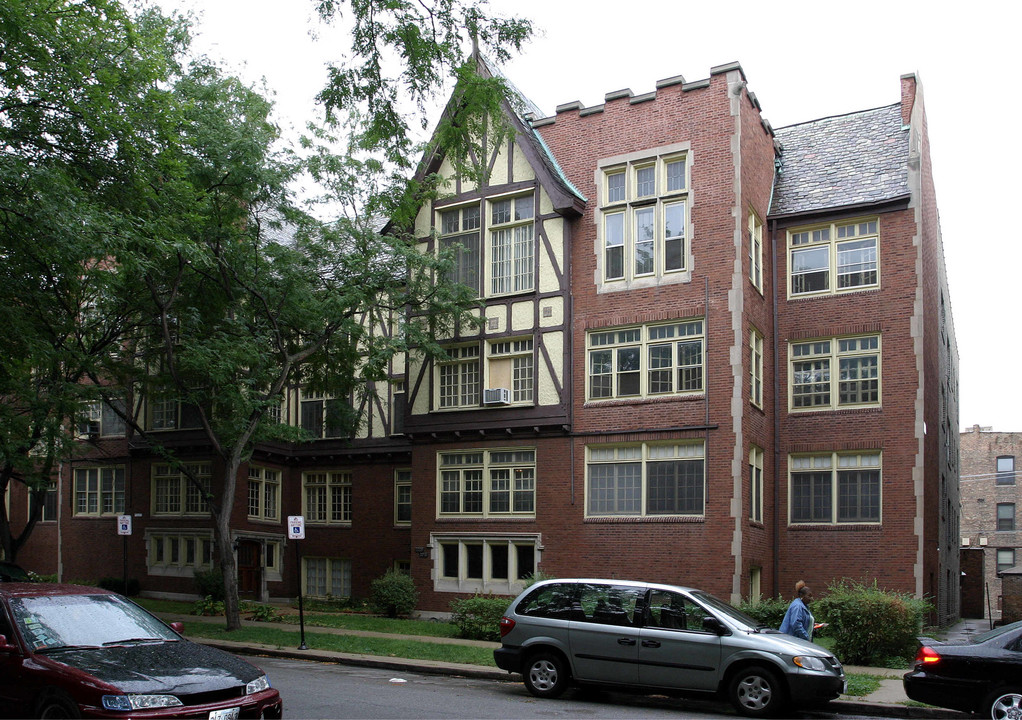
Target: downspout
[{"x": 777, "y": 413}]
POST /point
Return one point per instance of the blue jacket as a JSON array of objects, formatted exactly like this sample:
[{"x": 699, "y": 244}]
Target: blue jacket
[{"x": 798, "y": 621}]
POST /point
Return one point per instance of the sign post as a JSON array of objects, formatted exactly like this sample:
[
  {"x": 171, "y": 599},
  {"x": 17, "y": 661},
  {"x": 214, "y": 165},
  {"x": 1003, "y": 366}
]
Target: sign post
[
  {"x": 296, "y": 532},
  {"x": 124, "y": 530}
]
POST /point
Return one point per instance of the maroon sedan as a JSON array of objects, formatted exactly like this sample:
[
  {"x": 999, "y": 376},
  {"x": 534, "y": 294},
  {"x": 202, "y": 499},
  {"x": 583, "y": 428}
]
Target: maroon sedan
[{"x": 69, "y": 651}]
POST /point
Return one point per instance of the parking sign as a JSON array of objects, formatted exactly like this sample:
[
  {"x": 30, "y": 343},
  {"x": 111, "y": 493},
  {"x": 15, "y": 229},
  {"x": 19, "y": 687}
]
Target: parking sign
[
  {"x": 296, "y": 527},
  {"x": 124, "y": 524}
]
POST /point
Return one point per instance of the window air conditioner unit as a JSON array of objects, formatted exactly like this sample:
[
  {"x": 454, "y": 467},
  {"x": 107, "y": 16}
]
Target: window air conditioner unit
[
  {"x": 982, "y": 541},
  {"x": 496, "y": 396},
  {"x": 966, "y": 541}
]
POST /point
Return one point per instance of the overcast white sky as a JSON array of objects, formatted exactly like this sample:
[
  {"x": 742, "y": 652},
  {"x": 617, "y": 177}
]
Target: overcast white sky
[{"x": 804, "y": 60}]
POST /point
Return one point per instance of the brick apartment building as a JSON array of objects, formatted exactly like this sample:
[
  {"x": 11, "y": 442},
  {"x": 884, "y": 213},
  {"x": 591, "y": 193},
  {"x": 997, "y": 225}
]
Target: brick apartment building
[
  {"x": 991, "y": 539},
  {"x": 713, "y": 353}
]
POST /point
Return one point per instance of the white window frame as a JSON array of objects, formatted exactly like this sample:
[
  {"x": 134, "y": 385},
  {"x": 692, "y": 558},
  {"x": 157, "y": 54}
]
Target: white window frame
[
  {"x": 820, "y": 362},
  {"x": 648, "y": 341},
  {"x": 469, "y": 226},
  {"x": 827, "y": 251},
  {"x": 266, "y": 483},
  {"x": 512, "y": 244},
  {"x": 519, "y": 353},
  {"x": 326, "y": 400},
  {"x": 99, "y": 419},
  {"x": 330, "y": 566},
  {"x": 174, "y": 495},
  {"x": 335, "y": 506},
  {"x": 755, "y": 251},
  {"x": 756, "y": 456},
  {"x": 167, "y": 552},
  {"x": 622, "y": 495},
  {"x": 756, "y": 367},
  {"x": 635, "y": 232},
  {"x": 478, "y": 550},
  {"x": 487, "y": 483},
  {"x": 103, "y": 491},
  {"x": 402, "y": 495},
  {"x": 833, "y": 465},
  {"x": 459, "y": 378}
]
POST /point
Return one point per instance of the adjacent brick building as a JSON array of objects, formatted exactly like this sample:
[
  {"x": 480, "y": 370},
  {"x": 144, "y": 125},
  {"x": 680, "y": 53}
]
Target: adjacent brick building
[
  {"x": 990, "y": 535},
  {"x": 713, "y": 353}
]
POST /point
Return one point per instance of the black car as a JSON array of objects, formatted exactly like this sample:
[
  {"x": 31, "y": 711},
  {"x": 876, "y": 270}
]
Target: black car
[
  {"x": 981, "y": 675},
  {"x": 73, "y": 651}
]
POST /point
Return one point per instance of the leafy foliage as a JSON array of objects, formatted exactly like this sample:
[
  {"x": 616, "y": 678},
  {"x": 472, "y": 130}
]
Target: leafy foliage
[
  {"x": 478, "y": 617},
  {"x": 393, "y": 594},
  {"x": 208, "y": 606},
  {"x": 769, "y": 611},
  {"x": 210, "y": 583},
  {"x": 871, "y": 626}
]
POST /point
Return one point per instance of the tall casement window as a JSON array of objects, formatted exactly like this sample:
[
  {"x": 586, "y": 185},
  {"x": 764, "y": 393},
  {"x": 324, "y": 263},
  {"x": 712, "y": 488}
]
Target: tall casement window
[
  {"x": 323, "y": 416},
  {"x": 756, "y": 483},
  {"x": 836, "y": 258},
  {"x": 484, "y": 563},
  {"x": 511, "y": 245},
  {"x": 179, "y": 553},
  {"x": 175, "y": 494},
  {"x": 644, "y": 208},
  {"x": 1005, "y": 516},
  {"x": 459, "y": 231},
  {"x": 487, "y": 483},
  {"x": 755, "y": 251},
  {"x": 835, "y": 488},
  {"x": 646, "y": 480},
  {"x": 327, "y": 498},
  {"x": 459, "y": 377},
  {"x": 403, "y": 497},
  {"x": 756, "y": 368},
  {"x": 172, "y": 414},
  {"x": 1006, "y": 470},
  {"x": 646, "y": 360},
  {"x": 510, "y": 365},
  {"x": 835, "y": 373},
  {"x": 49, "y": 511},
  {"x": 99, "y": 491},
  {"x": 263, "y": 494},
  {"x": 326, "y": 577},
  {"x": 101, "y": 420}
]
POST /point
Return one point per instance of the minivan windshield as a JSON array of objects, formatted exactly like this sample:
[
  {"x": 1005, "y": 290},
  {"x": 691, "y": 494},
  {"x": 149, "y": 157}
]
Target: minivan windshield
[{"x": 736, "y": 616}]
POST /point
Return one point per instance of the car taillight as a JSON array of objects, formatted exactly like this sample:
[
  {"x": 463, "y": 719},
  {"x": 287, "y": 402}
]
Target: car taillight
[
  {"x": 927, "y": 656},
  {"x": 506, "y": 625}
]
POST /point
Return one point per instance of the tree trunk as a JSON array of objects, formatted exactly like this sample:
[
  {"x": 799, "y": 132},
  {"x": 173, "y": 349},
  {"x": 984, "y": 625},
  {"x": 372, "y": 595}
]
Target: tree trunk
[{"x": 225, "y": 547}]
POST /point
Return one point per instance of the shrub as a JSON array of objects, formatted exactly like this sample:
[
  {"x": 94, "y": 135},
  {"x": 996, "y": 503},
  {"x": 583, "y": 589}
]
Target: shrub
[
  {"x": 478, "y": 618},
  {"x": 117, "y": 585},
  {"x": 210, "y": 583},
  {"x": 536, "y": 577},
  {"x": 871, "y": 626},
  {"x": 393, "y": 594},
  {"x": 768, "y": 611},
  {"x": 208, "y": 606},
  {"x": 264, "y": 613}
]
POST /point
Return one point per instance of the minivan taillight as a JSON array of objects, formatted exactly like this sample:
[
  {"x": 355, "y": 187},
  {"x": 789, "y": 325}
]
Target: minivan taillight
[
  {"x": 506, "y": 625},
  {"x": 927, "y": 656}
]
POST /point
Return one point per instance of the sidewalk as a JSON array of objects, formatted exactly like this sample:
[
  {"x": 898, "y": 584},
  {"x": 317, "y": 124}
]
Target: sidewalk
[{"x": 888, "y": 701}]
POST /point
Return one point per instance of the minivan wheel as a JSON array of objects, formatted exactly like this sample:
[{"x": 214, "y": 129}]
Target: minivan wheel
[
  {"x": 756, "y": 692},
  {"x": 546, "y": 675},
  {"x": 1006, "y": 704}
]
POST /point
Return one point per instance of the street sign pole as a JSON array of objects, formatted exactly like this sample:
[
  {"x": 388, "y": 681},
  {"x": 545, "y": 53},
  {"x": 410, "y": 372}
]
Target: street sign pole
[
  {"x": 124, "y": 530},
  {"x": 296, "y": 532}
]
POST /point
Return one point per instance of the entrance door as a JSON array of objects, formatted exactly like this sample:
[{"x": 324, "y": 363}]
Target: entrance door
[{"x": 250, "y": 571}]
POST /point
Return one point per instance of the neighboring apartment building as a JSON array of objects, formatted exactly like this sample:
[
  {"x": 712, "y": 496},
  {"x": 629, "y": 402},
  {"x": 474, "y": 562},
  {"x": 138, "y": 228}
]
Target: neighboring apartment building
[
  {"x": 990, "y": 497},
  {"x": 713, "y": 353}
]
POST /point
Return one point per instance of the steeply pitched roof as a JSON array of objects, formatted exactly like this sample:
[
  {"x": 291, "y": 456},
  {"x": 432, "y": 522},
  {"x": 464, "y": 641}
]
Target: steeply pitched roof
[{"x": 855, "y": 159}]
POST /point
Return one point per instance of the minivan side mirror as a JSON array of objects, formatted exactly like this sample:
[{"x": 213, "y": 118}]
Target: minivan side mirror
[{"x": 713, "y": 625}]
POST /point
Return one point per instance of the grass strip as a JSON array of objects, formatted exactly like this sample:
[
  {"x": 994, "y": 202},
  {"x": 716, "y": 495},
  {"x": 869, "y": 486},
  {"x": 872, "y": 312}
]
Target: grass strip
[
  {"x": 385, "y": 647},
  {"x": 862, "y": 684}
]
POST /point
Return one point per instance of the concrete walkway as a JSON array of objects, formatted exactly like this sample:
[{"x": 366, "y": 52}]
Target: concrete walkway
[{"x": 889, "y": 700}]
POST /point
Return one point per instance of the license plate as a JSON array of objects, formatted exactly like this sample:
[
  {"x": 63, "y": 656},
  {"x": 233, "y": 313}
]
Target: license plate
[{"x": 228, "y": 714}]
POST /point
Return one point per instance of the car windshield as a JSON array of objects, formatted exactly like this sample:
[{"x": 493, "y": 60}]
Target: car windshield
[
  {"x": 735, "y": 615},
  {"x": 49, "y": 622},
  {"x": 991, "y": 634}
]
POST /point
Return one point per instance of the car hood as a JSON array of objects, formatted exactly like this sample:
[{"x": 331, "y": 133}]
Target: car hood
[
  {"x": 180, "y": 667},
  {"x": 786, "y": 644}
]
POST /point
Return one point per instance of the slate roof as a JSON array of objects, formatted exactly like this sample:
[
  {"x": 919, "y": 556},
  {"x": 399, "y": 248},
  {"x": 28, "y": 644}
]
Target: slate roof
[{"x": 855, "y": 159}]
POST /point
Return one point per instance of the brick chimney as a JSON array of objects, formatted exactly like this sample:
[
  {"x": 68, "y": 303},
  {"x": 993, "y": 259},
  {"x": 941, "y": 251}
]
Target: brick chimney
[{"x": 908, "y": 97}]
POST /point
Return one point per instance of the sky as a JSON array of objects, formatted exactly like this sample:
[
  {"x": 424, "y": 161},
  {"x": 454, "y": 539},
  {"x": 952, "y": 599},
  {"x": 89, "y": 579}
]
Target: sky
[{"x": 803, "y": 60}]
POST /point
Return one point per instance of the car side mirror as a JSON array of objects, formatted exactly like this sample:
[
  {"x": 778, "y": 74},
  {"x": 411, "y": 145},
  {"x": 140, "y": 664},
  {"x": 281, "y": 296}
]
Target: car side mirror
[
  {"x": 5, "y": 645},
  {"x": 178, "y": 627},
  {"x": 713, "y": 625}
]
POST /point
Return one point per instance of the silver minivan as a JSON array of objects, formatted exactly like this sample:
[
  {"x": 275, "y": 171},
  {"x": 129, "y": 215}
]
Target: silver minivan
[{"x": 662, "y": 638}]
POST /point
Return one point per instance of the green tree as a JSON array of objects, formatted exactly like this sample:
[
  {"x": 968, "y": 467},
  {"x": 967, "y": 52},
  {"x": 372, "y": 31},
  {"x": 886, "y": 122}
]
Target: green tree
[{"x": 80, "y": 106}]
